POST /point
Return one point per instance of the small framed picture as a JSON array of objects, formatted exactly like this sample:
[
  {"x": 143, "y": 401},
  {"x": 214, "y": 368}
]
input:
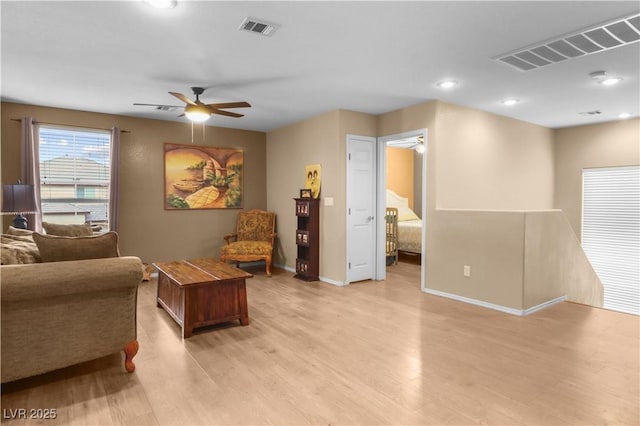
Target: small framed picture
[{"x": 305, "y": 193}]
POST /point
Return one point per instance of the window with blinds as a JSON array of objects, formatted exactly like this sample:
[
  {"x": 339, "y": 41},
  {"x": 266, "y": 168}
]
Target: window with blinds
[
  {"x": 75, "y": 173},
  {"x": 611, "y": 233}
]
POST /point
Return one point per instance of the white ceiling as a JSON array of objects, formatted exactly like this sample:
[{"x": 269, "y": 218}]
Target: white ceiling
[{"x": 372, "y": 57}]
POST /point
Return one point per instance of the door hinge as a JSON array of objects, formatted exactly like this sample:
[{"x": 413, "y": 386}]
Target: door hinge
[
  {"x": 349, "y": 156},
  {"x": 349, "y": 210},
  {"x": 349, "y": 265}
]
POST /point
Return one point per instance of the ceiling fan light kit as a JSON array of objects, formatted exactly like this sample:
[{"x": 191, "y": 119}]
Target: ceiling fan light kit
[{"x": 197, "y": 113}]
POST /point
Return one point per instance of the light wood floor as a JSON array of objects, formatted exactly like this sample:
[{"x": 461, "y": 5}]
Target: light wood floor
[{"x": 368, "y": 353}]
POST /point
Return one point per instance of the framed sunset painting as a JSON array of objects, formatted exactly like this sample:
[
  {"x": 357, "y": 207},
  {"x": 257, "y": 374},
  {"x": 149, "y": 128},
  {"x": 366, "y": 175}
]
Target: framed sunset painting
[{"x": 202, "y": 177}]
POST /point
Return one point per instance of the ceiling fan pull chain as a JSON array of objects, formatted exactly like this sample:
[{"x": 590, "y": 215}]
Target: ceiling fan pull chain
[{"x": 192, "y": 132}]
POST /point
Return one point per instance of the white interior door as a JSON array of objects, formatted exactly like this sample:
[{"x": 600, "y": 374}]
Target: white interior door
[{"x": 361, "y": 207}]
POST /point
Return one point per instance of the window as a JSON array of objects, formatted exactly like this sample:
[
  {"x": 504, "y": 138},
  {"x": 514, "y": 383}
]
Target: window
[
  {"x": 75, "y": 172},
  {"x": 611, "y": 233}
]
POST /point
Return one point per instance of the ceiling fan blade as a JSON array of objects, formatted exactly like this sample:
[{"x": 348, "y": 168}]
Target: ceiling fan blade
[
  {"x": 229, "y": 105},
  {"x": 227, "y": 113},
  {"x": 183, "y": 98},
  {"x": 159, "y": 105}
]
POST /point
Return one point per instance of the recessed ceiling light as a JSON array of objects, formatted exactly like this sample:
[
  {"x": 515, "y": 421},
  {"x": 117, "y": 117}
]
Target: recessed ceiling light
[
  {"x": 510, "y": 102},
  {"x": 610, "y": 81},
  {"x": 447, "y": 84},
  {"x": 162, "y": 4},
  {"x": 624, "y": 115}
]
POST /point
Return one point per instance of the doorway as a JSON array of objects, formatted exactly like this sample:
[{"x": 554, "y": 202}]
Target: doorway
[{"x": 406, "y": 192}]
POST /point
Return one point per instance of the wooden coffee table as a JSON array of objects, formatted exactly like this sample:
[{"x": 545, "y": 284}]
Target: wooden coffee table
[{"x": 202, "y": 292}]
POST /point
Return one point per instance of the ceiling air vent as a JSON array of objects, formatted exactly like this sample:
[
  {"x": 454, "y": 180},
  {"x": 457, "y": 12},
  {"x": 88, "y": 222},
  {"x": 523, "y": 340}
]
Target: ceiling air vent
[
  {"x": 585, "y": 42},
  {"x": 257, "y": 26}
]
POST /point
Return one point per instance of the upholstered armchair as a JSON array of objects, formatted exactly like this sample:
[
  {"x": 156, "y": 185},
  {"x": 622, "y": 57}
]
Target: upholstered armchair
[{"x": 253, "y": 239}]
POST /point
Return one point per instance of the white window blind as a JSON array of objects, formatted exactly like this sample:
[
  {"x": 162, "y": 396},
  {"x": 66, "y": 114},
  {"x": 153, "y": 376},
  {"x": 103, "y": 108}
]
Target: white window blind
[
  {"x": 75, "y": 168},
  {"x": 611, "y": 233}
]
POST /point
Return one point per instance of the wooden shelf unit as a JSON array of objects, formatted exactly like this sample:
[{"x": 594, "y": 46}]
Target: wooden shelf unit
[{"x": 308, "y": 239}]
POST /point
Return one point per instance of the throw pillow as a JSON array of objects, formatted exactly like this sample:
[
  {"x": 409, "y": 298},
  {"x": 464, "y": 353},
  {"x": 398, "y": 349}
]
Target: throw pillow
[
  {"x": 18, "y": 249},
  {"x": 57, "y": 249},
  {"x": 67, "y": 230},
  {"x": 18, "y": 231}
]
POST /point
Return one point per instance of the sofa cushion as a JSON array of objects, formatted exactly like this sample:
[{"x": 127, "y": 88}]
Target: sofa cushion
[
  {"x": 54, "y": 248},
  {"x": 18, "y": 249},
  {"x": 19, "y": 232},
  {"x": 67, "y": 230}
]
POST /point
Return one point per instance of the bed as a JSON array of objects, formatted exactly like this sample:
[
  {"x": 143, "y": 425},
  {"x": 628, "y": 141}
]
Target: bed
[{"x": 409, "y": 224}]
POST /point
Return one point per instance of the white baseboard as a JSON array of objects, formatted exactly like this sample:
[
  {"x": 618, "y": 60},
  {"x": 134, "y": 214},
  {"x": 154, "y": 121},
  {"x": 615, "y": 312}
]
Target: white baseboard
[
  {"x": 333, "y": 282},
  {"x": 505, "y": 309},
  {"x": 323, "y": 279},
  {"x": 285, "y": 267},
  {"x": 545, "y": 305}
]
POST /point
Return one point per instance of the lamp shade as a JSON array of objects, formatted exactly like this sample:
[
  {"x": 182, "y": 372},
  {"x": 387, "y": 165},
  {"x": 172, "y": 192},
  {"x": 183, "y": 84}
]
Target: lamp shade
[{"x": 18, "y": 198}]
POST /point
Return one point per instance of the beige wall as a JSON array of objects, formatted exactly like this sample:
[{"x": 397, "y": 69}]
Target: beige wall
[
  {"x": 400, "y": 172},
  {"x": 146, "y": 229},
  {"x": 317, "y": 140},
  {"x": 554, "y": 263},
  {"x": 487, "y": 161},
  {"x": 491, "y": 243},
  {"x": 519, "y": 259},
  {"x": 479, "y": 160},
  {"x": 610, "y": 144}
]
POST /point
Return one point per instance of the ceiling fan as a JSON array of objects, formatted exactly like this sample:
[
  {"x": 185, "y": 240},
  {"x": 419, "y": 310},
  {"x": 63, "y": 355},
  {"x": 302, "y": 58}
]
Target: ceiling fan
[{"x": 197, "y": 110}]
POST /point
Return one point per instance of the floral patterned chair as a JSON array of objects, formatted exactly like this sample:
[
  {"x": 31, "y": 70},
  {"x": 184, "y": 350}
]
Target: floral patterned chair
[{"x": 253, "y": 239}]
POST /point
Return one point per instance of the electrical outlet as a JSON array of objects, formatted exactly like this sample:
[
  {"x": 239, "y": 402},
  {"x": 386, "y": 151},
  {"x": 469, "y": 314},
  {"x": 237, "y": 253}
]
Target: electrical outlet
[{"x": 467, "y": 270}]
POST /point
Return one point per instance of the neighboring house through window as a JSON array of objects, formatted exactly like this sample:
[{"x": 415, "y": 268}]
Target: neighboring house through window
[{"x": 75, "y": 175}]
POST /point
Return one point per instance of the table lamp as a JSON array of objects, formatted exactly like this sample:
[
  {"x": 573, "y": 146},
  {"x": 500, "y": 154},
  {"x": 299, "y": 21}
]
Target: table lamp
[{"x": 18, "y": 199}]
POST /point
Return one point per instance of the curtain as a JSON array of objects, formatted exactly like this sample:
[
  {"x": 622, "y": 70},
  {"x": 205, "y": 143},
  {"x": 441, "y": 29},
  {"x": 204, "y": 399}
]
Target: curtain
[
  {"x": 113, "y": 185},
  {"x": 30, "y": 162}
]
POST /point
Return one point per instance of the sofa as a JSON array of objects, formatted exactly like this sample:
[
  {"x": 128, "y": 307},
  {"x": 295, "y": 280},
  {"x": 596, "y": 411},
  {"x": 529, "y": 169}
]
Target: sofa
[{"x": 57, "y": 313}]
